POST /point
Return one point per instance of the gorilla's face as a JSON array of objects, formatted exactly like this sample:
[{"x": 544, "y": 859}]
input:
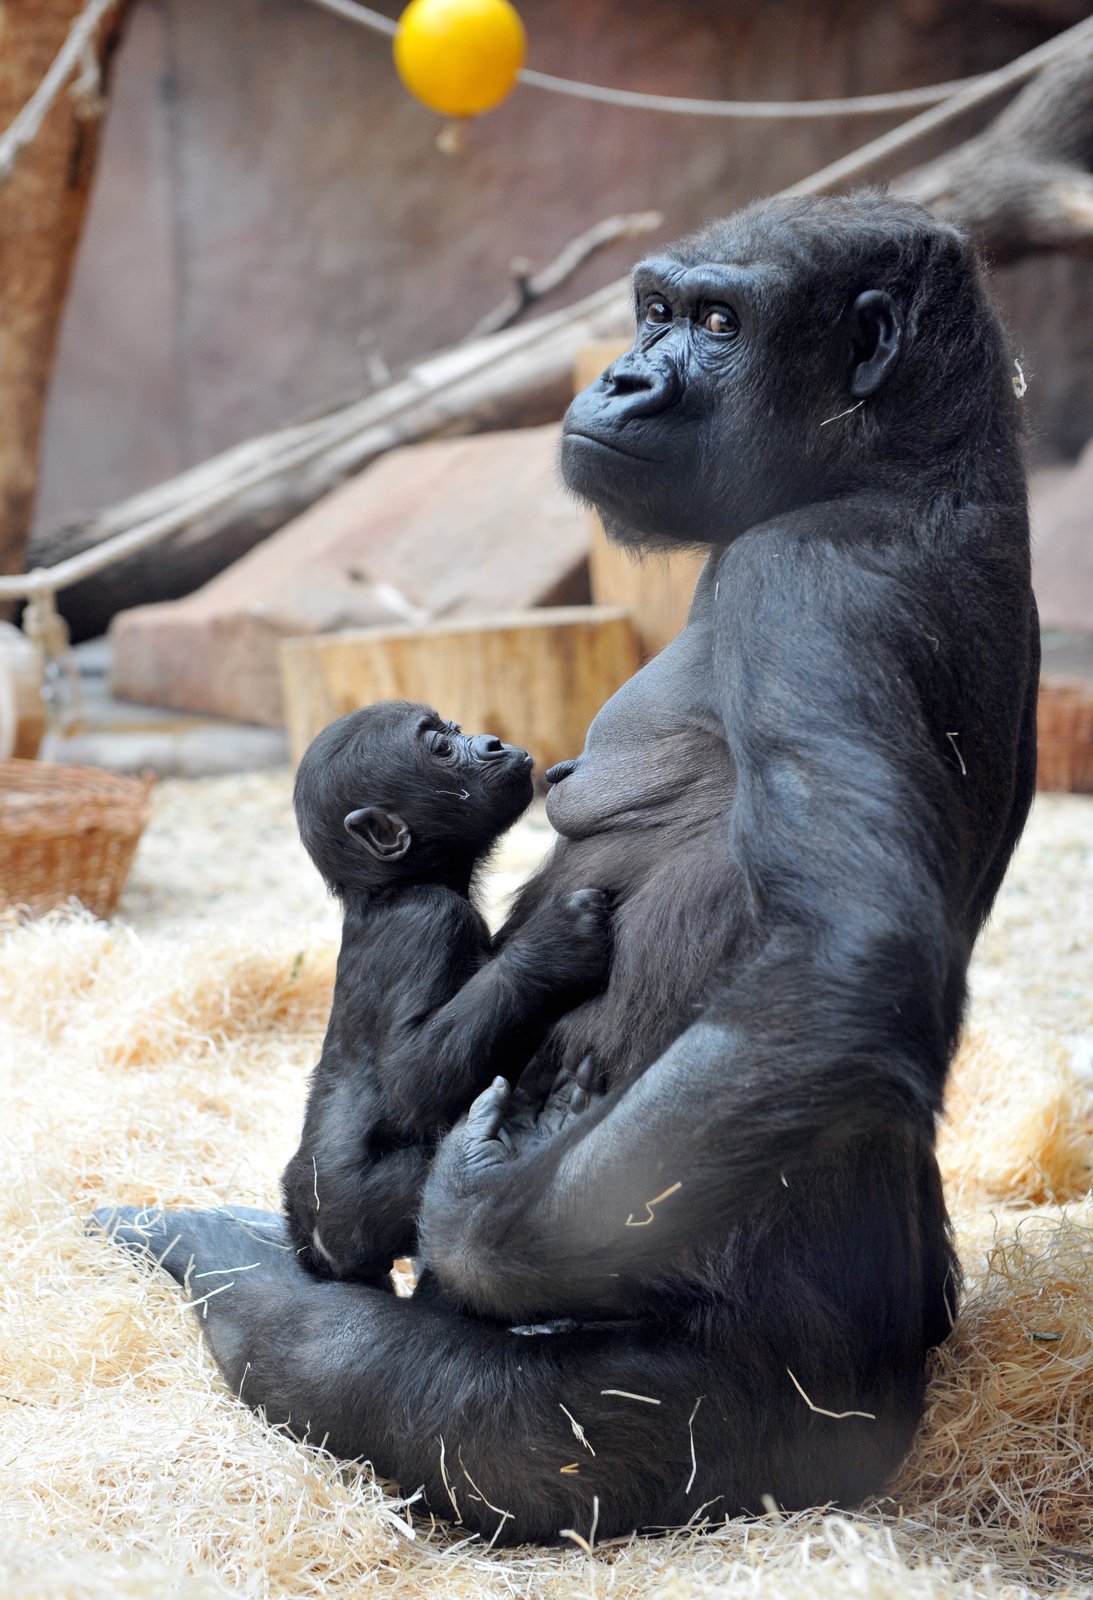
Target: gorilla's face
[{"x": 714, "y": 420}]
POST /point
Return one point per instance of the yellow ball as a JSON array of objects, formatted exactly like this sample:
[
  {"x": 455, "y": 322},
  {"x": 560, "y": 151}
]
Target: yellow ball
[{"x": 460, "y": 56}]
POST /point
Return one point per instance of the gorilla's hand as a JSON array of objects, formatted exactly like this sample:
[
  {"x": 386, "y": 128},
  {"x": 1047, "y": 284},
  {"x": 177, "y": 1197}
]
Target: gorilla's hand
[{"x": 504, "y": 1124}]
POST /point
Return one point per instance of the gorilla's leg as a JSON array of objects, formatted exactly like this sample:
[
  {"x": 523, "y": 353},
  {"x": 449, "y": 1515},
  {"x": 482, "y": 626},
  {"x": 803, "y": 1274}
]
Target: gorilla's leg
[
  {"x": 601, "y": 1428},
  {"x": 207, "y": 1253}
]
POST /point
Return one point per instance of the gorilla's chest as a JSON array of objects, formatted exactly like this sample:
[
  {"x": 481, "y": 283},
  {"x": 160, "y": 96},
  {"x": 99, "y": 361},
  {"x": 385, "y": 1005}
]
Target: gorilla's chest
[
  {"x": 643, "y": 815},
  {"x": 655, "y": 756}
]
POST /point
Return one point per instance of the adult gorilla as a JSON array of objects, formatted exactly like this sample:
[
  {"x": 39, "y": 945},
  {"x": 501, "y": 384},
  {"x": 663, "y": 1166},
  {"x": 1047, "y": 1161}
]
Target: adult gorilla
[{"x": 803, "y": 809}]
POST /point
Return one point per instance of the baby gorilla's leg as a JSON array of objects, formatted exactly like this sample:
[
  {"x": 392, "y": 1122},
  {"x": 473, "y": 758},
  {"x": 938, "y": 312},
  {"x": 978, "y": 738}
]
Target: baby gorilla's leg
[{"x": 352, "y": 1219}]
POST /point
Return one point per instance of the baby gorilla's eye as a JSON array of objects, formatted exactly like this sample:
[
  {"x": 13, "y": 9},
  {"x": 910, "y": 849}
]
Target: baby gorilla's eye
[
  {"x": 441, "y": 745},
  {"x": 720, "y": 320},
  {"x": 658, "y": 311}
]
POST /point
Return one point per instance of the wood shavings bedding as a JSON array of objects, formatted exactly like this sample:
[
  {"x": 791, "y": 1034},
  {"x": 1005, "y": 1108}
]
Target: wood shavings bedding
[{"x": 164, "y": 1057}]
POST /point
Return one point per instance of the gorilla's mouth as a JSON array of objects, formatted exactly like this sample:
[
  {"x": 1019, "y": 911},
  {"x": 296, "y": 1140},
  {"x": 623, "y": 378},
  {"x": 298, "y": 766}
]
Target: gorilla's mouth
[{"x": 571, "y": 434}]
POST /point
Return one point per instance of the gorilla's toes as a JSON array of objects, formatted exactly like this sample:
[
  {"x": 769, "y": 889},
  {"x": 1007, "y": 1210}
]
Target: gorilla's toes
[
  {"x": 237, "y": 1240},
  {"x": 142, "y": 1231}
]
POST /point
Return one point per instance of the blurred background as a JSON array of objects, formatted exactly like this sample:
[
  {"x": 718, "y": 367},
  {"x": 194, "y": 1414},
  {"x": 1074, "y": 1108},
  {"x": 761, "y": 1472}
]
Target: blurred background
[
  {"x": 272, "y": 217},
  {"x": 304, "y": 352}
]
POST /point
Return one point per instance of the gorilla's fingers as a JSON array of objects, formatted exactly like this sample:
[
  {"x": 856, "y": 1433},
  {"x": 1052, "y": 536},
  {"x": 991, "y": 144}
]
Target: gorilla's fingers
[{"x": 487, "y": 1112}]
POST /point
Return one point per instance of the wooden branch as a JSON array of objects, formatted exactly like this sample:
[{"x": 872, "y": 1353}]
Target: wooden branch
[
  {"x": 516, "y": 377},
  {"x": 531, "y": 287},
  {"x": 224, "y": 506},
  {"x": 76, "y": 51},
  {"x": 878, "y": 153},
  {"x": 1024, "y": 184}
]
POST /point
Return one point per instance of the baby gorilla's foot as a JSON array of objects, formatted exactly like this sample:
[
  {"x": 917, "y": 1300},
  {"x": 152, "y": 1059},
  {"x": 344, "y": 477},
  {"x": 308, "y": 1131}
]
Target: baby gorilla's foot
[
  {"x": 571, "y": 1094},
  {"x": 484, "y": 1140},
  {"x": 503, "y": 1123}
]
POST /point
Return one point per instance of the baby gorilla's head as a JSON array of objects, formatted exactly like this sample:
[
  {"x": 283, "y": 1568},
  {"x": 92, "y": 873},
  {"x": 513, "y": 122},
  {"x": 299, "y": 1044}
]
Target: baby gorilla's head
[{"x": 393, "y": 794}]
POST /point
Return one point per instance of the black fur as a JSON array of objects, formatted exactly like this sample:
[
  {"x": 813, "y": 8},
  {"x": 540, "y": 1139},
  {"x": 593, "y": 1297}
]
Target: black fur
[
  {"x": 397, "y": 809},
  {"x": 803, "y": 809}
]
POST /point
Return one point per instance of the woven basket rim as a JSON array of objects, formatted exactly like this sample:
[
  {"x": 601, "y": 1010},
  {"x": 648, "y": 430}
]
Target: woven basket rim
[
  {"x": 70, "y": 799},
  {"x": 66, "y": 777}
]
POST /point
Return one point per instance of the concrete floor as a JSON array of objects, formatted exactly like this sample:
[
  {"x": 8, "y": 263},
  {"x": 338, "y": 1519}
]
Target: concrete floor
[{"x": 126, "y": 737}]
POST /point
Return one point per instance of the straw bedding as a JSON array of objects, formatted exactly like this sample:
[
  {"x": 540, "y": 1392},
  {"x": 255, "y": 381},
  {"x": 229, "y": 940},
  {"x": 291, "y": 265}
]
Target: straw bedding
[{"x": 162, "y": 1058}]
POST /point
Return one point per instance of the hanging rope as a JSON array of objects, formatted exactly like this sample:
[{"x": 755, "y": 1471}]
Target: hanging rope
[
  {"x": 864, "y": 105},
  {"x": 362, "y": 14},
  {"x": 991, "y": 83},
  {"x": 18, "y": 586},
  {"x": 75, "y": 52}
]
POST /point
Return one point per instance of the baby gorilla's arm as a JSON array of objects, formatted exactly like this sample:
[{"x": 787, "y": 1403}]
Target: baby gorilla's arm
[
  {"x": 433, "y": 1067},
  {"x": 353, "y": 1189}
]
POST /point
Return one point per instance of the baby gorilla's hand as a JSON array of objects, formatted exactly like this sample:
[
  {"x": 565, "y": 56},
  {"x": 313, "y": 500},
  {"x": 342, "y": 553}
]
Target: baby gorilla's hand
[{"x": 569, "y": 938}]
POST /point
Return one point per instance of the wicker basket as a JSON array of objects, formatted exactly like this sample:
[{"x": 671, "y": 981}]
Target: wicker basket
[
  {"x": 1064, "y": 736},
  {"x": 67, "y": 832}
]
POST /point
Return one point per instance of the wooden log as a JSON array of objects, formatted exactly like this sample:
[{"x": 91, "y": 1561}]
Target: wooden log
[
  {"x": 535, "y": 678},
  {"x": 655, "y": 589},
  {"x": 225, "y": 506},
  {"x": 22, "y": 708},
  {"x": 42, "y": 205},
  {"x": 1064, "y": 756}
]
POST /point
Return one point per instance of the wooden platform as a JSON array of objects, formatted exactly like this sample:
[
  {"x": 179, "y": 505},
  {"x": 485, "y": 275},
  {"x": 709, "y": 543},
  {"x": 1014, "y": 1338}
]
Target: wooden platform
[{"x": 535, "y": 678}]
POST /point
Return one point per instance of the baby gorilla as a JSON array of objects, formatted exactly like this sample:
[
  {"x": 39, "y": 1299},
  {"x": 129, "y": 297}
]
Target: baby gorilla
[{"x": 397, "y": 809}]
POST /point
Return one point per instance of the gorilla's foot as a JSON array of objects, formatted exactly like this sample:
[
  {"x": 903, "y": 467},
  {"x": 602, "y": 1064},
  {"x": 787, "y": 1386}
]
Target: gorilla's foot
[
  {"x": 196, "y": 1245},
  {"x": 238, "y": 1266}
]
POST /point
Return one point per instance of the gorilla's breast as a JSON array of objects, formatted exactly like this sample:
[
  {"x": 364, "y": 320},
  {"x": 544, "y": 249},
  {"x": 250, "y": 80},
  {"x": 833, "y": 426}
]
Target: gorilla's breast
[
  {"x": 643, "y": 815},
  {"x": 655, "y": 755}
]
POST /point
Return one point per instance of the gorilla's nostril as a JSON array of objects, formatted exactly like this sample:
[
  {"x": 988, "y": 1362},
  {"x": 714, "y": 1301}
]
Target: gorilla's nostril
[
  {"x": 487, "y": 746},
  {"x": 630, "y": 382}
]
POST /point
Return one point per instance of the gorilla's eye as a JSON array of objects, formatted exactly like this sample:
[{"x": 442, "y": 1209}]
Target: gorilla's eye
[
  {"x": 720, "y": 320},
  {"x": 441, "y": 745},
  {"x": 658, "y": 311}
]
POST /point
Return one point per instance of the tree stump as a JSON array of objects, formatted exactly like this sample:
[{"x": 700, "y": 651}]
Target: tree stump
[{"x": 535, "y": 678}]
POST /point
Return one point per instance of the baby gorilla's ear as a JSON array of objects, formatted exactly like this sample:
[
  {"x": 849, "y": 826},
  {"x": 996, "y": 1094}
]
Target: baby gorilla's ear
[{"x": 382, "y": 833}]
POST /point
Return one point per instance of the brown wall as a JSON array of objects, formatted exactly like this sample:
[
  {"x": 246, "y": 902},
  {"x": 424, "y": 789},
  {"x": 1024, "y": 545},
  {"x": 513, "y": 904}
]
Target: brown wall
[{"x": 271, "y": 204}]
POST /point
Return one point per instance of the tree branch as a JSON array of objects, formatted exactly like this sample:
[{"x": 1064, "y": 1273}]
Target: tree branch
[
  {"x": 1024, "y": 184},
  {"x": 531, "y": 287}
]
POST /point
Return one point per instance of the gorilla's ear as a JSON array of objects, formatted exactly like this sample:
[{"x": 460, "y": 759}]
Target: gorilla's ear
[
  {"x": 382, "y": 833},
  {"x": 876, "y": 335}
]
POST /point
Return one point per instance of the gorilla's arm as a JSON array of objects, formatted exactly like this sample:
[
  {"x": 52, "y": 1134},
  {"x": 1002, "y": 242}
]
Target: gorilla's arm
[
  {"x": 441, "y": 1052},
  {"x": 839, "y": 1021}
]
